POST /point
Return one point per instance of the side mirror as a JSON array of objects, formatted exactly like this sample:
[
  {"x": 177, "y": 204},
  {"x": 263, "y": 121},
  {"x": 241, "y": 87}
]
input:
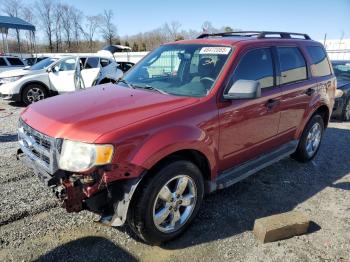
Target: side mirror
[
  {"x": 244, "y": 89},
  {"x": 49, "y": 70}
]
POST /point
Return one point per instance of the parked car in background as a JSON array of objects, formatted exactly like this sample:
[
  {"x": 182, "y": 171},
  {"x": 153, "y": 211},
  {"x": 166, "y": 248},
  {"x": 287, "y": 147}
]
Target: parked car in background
[
  {"x": 33, "y": 60},
  {"x": 125, "y": 66},
  {"x": 53, "y": 76},
  {"x": 192, "y": 117},
  {"x": 342, "y": 104},
  {"x": 11, "y": 63}
]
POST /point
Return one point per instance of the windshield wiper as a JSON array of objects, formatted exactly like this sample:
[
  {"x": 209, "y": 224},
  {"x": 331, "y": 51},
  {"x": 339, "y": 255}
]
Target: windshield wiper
[
  {"x": 154, "y": 88},
  {"x": 127, "y": 83}
]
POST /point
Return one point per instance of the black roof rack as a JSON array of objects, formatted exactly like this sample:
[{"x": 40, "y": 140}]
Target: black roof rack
[{"x": 257, "y": 34}]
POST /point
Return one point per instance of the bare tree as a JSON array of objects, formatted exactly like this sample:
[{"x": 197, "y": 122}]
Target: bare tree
[
  {"x": 77, "y": 18},
  {"x": 92, "y": 25},
  {"x": 108, "y": 29},
  {"x": 67, "y": 23},
  {"x": 172, "y": 30},
  {"x": 46, "y": 9},
  {"x": 57, "y": 17},
  {"x": 29, "y": 16},
  {"x": 14, "y": 8}
]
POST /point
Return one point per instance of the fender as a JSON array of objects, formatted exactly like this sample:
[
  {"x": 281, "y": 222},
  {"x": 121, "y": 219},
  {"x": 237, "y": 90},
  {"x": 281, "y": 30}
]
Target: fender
[
  {"x": 172, "y": 139},
  {"x": 34, "y": 82},
  {"x": 308, "y": 114}
]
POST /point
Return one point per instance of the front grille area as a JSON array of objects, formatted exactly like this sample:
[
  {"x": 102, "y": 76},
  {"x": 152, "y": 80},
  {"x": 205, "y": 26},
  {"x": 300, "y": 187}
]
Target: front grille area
[{"x": 38, "y": 147}]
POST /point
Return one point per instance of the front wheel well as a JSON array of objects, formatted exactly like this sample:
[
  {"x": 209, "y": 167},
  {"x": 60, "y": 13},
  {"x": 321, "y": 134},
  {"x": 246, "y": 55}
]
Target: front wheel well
[{"x": 33, "y": 83}]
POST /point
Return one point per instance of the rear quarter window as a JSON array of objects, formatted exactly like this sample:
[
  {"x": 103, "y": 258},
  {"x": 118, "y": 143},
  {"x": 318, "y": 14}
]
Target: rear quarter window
[
  {"x": 15, "y": 61},
  {"x": 320, "y": 64}
]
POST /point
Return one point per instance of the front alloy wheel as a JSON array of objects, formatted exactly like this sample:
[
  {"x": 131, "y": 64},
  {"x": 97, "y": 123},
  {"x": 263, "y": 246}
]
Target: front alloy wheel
[
  {"x": 166, "y": 201},
  {"x": 174, "y": 203}
]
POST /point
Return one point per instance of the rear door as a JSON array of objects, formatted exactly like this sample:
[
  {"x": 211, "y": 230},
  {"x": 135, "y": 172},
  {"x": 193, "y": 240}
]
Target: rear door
[
  {"x": 90, "y": 71},
  {"x": 298, "y": 88},
  {"x": 248, "y": 127}
]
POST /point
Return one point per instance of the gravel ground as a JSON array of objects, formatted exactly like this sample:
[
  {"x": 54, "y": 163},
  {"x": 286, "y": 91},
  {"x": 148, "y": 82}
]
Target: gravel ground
[{"x": 34, "y": 227}]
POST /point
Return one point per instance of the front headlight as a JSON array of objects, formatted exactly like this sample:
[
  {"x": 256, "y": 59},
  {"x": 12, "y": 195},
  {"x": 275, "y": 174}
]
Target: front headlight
[
  {"x": 9, "y": 79},
  {"x": 79, "y": 157}
]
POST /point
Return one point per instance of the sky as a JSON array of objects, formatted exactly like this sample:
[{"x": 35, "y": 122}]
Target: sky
[{"x": 315, "y": 17}]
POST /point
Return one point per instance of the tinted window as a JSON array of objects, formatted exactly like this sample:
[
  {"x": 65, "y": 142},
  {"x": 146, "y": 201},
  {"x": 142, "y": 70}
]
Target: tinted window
[
  {"x": 104, "y": 62},
  {"x": 319, "y": 60},
  {"x": 256, "y": 65},
  {"x": 342, "y": 71},
  {"x": 92, "y": 62},
  {"x": 292, "y": 63},
  {"x": 15, "y": 61},
  {"x": 2, "y": 62}
]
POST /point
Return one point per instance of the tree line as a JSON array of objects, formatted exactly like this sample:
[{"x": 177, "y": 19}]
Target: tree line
[{"x": 66, "y": 29}]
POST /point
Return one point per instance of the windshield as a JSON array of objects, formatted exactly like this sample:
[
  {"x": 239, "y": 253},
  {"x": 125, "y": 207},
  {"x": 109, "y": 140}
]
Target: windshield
[
  {"x": 342, "y": 70},
  {"x": 179, "y": 69},
  {"x": 43, "y": 64}
]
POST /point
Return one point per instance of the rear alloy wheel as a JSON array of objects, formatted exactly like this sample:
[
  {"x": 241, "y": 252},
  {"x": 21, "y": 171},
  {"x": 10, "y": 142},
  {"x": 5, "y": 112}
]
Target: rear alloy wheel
[
  {"x": 310, "y": 140},
  {"x": 167, "y": 202},
  {"x": 346, "y": 111},
  {"x": 33, "y": 93}
]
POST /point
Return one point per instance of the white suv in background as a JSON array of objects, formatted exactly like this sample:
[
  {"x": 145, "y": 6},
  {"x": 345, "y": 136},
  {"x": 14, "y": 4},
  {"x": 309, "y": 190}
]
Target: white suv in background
[
  {"x": 10, "y": 63},
  {"x": 56, "y": 76}
]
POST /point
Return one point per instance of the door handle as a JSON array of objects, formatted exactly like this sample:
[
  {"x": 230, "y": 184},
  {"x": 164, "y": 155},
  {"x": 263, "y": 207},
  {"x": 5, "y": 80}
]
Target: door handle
[
  {"x": 271, "y": 103},
  {"x": 310, "y": 91}
]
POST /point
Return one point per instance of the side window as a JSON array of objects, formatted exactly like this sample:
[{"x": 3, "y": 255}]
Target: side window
[
  {"x": 256, "y": 65},
  {"x": 92, "y": 62},
  {"x": 104, "y": 62},
  {"x": 66, "y": 65},
  {"x": 292, "y": 64},
  {"x": 320, "y": 63},
  {"x": 2, "y": 62},
  {"x": 15, "y": 61}
]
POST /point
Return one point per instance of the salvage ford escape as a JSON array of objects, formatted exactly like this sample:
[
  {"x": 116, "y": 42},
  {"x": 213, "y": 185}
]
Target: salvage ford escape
[{"x": 192, "y": 117}]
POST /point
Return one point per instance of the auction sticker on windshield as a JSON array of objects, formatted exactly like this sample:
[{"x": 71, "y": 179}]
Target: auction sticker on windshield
[{"x": 215, "y": 50}]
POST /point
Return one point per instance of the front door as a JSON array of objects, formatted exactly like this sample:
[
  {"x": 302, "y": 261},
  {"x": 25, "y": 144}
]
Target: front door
[
  {"x": 90, "y": 71},
  {"x": 63, "y": 75},
  {"x": 248, "y": 127}
]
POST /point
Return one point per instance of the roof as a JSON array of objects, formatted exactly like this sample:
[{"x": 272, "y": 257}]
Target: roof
[{"x": 10, "y": 22}]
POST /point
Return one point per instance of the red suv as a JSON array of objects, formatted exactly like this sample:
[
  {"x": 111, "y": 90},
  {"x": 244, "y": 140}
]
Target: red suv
[{"x": 192, "y": 117}]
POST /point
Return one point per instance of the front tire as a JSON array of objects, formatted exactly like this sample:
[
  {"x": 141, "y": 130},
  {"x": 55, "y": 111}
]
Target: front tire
[
  {"x": 167, "y": 202},
  {"x": 33, "y": 93},
  {"x": 310, "y": 140}
]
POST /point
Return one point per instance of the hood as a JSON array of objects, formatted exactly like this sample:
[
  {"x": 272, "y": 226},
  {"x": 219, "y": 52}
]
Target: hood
[
  {"x": 19, "y": 72},
  {"x": 86, "y": 115}
]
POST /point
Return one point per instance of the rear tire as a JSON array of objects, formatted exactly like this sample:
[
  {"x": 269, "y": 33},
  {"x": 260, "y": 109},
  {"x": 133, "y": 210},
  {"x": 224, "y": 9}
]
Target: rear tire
[
  {"x": 33, "y": 93},
  {"x": 346, "y": 111},
  {"x": 167, "y": 202},
  {"x": 310, "y": 140}
]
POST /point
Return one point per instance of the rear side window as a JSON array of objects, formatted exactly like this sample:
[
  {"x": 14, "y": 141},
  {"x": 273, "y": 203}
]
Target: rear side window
[
  {"x": 256, "y": 65},
  {"x": 92, "y": 62},
  {"x": 2, "y": 62},
  {"x": 292, "y": 65},
  {"x": 319, "y": 61},
  {"x": 15, "y": 61}
]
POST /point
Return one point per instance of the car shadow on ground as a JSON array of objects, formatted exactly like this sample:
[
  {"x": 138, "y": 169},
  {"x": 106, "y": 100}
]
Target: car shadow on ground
[
  {"x": 276, "y": 189},
  {"x": 88, "y": 249}
]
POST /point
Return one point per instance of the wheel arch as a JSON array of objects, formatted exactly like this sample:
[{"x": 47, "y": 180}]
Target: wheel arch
[{"x": 31, "y": 83}]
